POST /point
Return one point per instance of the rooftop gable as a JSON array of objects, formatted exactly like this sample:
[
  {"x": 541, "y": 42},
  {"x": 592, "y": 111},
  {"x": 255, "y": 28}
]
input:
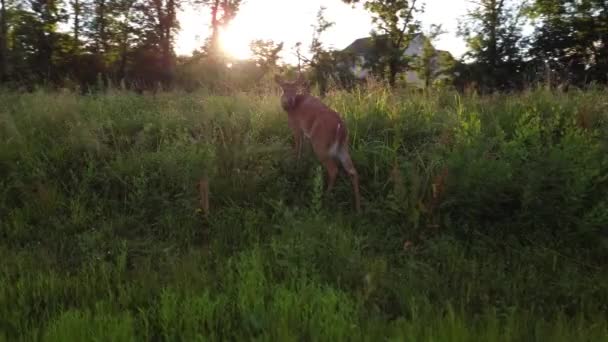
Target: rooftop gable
[{"x": 367, "y": 45}]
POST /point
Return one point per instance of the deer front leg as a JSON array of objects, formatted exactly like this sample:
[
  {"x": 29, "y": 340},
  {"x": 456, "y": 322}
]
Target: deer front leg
[{"x": 297, "y": 136}]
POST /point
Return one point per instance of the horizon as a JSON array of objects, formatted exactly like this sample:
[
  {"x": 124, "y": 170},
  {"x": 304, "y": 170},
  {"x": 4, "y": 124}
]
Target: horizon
[{"x": 350, "y": 23}]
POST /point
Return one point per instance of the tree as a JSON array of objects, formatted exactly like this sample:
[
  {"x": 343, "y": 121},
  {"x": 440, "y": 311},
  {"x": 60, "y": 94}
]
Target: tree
[
  {"x": 3, "y": 47},
  {"x": 222, "y": 13},
  {"x": 3, "y": 42},
  {"x": 35, "y": 39},
  {"x": 571, "y": 39},
  {"x": 493, "y": 34},
  {"x": 99, "y": 26},
  {"x": 125, "y": 31},
  {"x": 98, "y": 40},
  {"x": 59, "y": 41},
  {"x": 395, "y": 27},
  {"x": 265, "y": 53},
  {"x": 167, "y": 24},
  {"x": 432, "y": 63},
  {"x": 321, "y": 61},
  {"x": 78, "y": 11},
  {"x": 157, "y": 22}
]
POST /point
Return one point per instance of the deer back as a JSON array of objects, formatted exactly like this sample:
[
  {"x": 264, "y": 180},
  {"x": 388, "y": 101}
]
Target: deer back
[{"x": 314, "y": 118}]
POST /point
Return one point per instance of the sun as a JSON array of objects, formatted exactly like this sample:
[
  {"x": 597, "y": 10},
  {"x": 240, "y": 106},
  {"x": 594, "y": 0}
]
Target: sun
[
  {"x": 234, "y": 39},
  {"x": 235, "y": 42},
  {"x": 251, "y": 23}
]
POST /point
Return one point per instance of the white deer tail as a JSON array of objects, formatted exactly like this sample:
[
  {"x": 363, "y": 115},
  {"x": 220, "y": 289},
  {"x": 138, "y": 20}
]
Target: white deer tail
[{"x": 338, "y": 139}]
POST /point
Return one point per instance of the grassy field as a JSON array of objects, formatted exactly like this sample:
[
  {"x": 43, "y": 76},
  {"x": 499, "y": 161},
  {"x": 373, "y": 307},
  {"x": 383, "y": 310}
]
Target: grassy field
[{"x": 484, "y": 219}]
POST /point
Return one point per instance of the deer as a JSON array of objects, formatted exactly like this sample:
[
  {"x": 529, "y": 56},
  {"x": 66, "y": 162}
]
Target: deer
[{"x": 309, "y": 117}]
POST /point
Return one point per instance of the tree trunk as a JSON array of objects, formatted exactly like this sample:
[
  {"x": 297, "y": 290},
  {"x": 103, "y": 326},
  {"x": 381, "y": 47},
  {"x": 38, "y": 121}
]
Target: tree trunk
[
  {"x": 166, "y": 56},
  {"x": 124, "y": 40},
  {"x": 392, "y": 74},
  {"x": 76, "y": 27},
  {"x": 215, "y": 26},
  {"x": 122, "y": 70},
  {"x": 3, "y": 43},
  {"x": 101, "y": 44},
  {"x": 492, "y": 35},
  {"x": 47, "y": 39},
  {"x": 167, "y": 22},
  {"x": 496, "y": 8},
  {"x": 102, "y": 26}
]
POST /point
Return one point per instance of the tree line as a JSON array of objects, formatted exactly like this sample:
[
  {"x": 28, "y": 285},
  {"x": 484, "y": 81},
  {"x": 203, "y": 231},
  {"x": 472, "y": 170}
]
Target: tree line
[
  {"x": 91, "y": 43},
  {"x": 568, "y": 43},
  {"x": 94, "y": 42}
]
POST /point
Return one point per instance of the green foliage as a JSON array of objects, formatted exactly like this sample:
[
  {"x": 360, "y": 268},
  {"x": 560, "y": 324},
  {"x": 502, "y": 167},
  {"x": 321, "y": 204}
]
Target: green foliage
[
  {"x": 265, "y": 53},
  {"x": 493, "y": 32},
  {"x": 75, "y": 43},
  {"x": 434, "y": 67},
  {"x": 396, "y": 24},
  {"x": 101, "y": 239},
  {"x": 570, "y": 42},
  {"x": 323, "y": 62}
]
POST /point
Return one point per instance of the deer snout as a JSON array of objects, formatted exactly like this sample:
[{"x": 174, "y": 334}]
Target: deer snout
[{"x": 288, "y": 102}]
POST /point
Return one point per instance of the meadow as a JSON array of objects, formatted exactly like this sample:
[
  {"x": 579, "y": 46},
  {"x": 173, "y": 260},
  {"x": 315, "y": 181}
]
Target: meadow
[{"x": 484, "y": 218}]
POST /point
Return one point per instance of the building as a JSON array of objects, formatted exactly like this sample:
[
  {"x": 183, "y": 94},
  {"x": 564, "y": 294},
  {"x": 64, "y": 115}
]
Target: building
[{"x": 364, "y": 49}]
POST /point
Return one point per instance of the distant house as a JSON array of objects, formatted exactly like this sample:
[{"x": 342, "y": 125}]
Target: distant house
[{"x": 363, "y": 50}]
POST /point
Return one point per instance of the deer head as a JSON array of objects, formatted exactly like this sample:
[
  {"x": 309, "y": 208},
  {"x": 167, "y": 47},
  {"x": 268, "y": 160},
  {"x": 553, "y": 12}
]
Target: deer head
[{"x": 290, "y": 90}]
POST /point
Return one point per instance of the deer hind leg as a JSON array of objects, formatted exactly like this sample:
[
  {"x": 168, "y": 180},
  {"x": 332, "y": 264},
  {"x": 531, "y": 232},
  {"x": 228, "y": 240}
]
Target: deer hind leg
[
  {"x": 326, "y": 159},
  {"x": 347, "y": 164},
  {"x": 332, "y": 172}
]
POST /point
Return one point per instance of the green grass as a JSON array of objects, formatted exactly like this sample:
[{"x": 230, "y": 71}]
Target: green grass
[{"x": 101, "y": 239}]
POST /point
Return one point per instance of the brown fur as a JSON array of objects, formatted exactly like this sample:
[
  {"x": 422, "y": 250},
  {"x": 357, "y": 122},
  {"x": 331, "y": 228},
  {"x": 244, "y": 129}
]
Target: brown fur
[{"x": 308, "y": 117}]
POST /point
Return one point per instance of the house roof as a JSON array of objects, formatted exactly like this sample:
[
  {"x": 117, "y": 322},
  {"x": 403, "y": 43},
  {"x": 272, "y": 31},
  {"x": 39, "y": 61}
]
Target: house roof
[
  {"x": 366, "y": 45},
  {"x": 369, "y": 46},
  {"x": 444, "y": 53},
  {"x": 360, "y": 46}
]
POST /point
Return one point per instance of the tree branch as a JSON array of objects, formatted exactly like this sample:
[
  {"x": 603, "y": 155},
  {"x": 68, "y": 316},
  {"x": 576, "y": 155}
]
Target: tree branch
[{"x": 408, "y": 19}]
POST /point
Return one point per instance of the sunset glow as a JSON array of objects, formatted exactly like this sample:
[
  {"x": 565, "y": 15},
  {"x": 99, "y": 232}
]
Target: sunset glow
[
  {"x": 290, "y": 21},
  {"x": 235, "y": 42}
]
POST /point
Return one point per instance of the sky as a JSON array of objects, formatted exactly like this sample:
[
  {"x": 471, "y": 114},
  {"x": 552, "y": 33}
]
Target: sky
[{"x": 291, "y": 21}]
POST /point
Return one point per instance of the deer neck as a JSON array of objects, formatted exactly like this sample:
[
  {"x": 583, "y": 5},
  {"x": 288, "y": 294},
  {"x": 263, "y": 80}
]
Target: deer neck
[{"x": 290, "y": 103}]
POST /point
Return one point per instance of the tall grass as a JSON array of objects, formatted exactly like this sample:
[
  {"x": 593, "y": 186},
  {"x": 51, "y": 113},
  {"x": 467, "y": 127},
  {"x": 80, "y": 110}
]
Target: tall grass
[{"x": 484, "y": 219}]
